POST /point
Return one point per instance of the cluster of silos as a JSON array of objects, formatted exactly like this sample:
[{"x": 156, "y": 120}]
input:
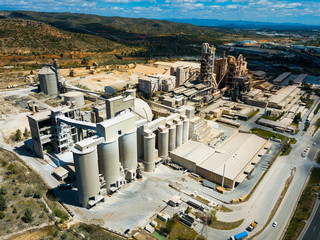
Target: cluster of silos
[
  {"x": 87, "y": 172},
  {"x": 118, "y": 158},
  {"x": 109, "y": 158},
  {"x": 171, "y": 134},
  {"x": 48, "y": 78}
]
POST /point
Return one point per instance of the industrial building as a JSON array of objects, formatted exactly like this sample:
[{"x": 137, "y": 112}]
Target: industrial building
[
  {"x": 230, "y": 163},
  {"x": 233, "y": 110},
  {"x": 284, "y": 96},
  {"x": 280, "y": 126},
  {"x": 50, "y": 132},
  {"x": 281, "y": 78},
  {"x": 156, "y": 83}
]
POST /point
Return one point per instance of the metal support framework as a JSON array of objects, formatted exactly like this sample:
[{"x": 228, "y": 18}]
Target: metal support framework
[{"x": 207, "y": 66}]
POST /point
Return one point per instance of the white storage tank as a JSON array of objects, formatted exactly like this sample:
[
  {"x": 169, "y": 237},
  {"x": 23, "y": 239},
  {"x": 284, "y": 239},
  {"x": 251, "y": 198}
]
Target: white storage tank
[
  {"x": 128, "y": 153},
  {"x": 87, "y": 172},
  {"x": 172, "y": 136},
  {"x": 163, "y": 142},
  {"x": 75, "y": 98},
  {"x": 149, "y": 142},
  {"x": 48, "y": 81},
  {"x": 109, "y": 165}
]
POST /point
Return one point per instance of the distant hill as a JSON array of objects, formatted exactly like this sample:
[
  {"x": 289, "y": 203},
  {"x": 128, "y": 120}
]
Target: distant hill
[
  {"x": 150, "y": 37},
  {"x": 87, "y": 23},
  {"x": 19, "y": 35},
  {"x": 245, "y": 24}
]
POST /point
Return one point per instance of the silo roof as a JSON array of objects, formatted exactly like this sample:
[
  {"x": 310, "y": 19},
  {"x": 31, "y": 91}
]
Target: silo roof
[{"x": 46, "y": 70}]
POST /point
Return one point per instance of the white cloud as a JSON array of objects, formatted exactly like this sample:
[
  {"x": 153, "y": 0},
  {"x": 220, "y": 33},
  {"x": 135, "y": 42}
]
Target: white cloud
[{"x": 232, "y": 6}]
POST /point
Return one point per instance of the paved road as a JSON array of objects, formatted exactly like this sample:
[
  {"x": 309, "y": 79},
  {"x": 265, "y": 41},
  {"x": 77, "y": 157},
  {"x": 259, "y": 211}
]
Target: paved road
[{"x": 313, "y": 231}]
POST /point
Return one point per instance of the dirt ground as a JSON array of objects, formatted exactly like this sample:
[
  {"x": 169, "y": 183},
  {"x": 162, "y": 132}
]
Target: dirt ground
[
  {"x": 97, "y": 82},
  {"x": 12, "y": 114}
]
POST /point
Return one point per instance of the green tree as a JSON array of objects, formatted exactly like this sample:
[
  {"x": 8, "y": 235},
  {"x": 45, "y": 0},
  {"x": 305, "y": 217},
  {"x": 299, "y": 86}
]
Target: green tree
[
  {"x": 3, "y": 203},
  {"x": 26, "y": 133},
  {"x": 3, "y": 191},
  {"x": 2, "y": 215},
  {"x": 18, "y": 135},
  {"x": 27, "y": 218},
  {"x": 28, "y": 193},
  {"x": 297, "y": 118},
  {"x": 38, "y": 194}
]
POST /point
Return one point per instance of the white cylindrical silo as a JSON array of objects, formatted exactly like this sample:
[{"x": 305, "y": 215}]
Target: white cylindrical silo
[
  {"x": 109, "y": 165},
  {"x": 185, "y": 135},
  {"x": 140, "y": 145},
  {"x": 74, "y": 97},
  {"x": 87, "y": 174},
  {"x": 172, "y": 136},
  {"x": 163, "y": 142},
  {"x": 149, "y": 142},
  {"x": 48, "y": 81},
  {"x": 128, "y": 150},
  {"x": 179, "y": 131}
]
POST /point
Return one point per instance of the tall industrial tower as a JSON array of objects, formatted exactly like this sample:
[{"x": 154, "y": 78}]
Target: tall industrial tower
[{"x": 207, "y": 76}]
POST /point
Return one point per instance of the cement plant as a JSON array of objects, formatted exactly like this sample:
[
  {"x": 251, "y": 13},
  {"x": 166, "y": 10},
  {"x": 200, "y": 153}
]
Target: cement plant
[{"x": 210, "y": 147}]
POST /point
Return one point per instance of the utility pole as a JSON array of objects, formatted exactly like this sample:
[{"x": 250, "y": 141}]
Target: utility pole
[{"x": 224, "y": 169}]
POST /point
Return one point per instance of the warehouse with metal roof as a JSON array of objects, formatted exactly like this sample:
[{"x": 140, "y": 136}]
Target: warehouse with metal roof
[{"x": 234, "y": 159}]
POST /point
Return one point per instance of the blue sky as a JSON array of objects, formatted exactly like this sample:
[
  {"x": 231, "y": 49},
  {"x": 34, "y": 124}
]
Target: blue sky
[{"x": 307, "y": 12}]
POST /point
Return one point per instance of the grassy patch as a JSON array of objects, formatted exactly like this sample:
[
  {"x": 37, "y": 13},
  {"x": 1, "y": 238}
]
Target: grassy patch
[
  {"x": 226, "y": 225},
  {"x": 201, "y": 199},
  {"x": 317, "y": 126},
  {"x": 305, "y": 206},
  {"x": 157, "y": 235},
  {"x": 253, "y": 114},
  {"x": 23, "y": 189},
  {"x": 82, "y": 86},
  {"x": 317, "y": 109},
  {"x": 224, "y": 209},
  {"x": 180, "y": 231},
  {"x": 75, "y": 232},
  {"x": 292, "y": 141},
  {"x": 267, "y": 134},
  {"x": 272, "y": 118},
  {"x": 287, "y": 147},
  {"x": 176, "y": 229},
  {"x": 287, "y": 150}
]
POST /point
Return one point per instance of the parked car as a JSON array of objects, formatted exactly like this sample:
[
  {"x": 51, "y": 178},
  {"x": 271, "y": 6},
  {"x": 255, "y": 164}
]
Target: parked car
[{"x": 274, "y": 224}]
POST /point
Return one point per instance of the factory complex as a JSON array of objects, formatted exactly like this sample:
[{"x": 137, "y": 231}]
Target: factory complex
[{"x": 177, "y": 133}]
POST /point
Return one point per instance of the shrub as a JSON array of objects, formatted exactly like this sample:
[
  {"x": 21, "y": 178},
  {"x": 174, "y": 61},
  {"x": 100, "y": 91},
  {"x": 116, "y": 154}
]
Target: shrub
[
  {"x": 26, "y": 133},
  {"x": 61, "y": 214},
  {"x": 64, "y": 236},
  {"x": 27, "y": 218},
  {"x": 3, "y": 203},
  {"x": 56, "y": 232},
  {"x": 28, "y": 193},
  {"x": 2, "y": 215},
  {"x": 18, "y": 135},
  {"x": 3, "y": 191},
  {"x": 38, "y": 194}
]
